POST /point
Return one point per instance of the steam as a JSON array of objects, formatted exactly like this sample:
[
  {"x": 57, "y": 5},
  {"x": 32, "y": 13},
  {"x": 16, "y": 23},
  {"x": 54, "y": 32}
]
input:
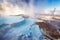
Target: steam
[
  {"x": 9, "y": 9},
  {"x": 16, "y": 7}
]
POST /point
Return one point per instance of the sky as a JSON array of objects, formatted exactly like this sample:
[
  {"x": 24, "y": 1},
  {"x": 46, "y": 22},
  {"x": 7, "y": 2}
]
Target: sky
[
  {"x": 1, "y": 1},
  {"x": 53, "y": 4},
  {"x": 43, "y": 4},
  {"x": 49, "y": 4}
]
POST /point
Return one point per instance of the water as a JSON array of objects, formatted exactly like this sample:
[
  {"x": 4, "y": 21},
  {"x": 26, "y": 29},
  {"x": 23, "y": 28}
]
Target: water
[
  {"x": 10, "y": 19},
  {"x": 18, "y": 28}
]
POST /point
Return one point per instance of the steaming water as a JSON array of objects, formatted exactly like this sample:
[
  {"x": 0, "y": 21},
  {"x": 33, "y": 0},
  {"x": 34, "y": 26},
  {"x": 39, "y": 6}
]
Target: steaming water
[
  {"x": 18, "y": 28},
  {"x": 10, "y": 19}
]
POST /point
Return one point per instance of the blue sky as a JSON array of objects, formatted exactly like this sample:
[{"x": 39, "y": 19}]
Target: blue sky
[
  {"x": 49, "y": 4},
  {"x": 45, "y": 4},
  {"x": 1, "y": 1},
  {"x": 53, "y": 4}
]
